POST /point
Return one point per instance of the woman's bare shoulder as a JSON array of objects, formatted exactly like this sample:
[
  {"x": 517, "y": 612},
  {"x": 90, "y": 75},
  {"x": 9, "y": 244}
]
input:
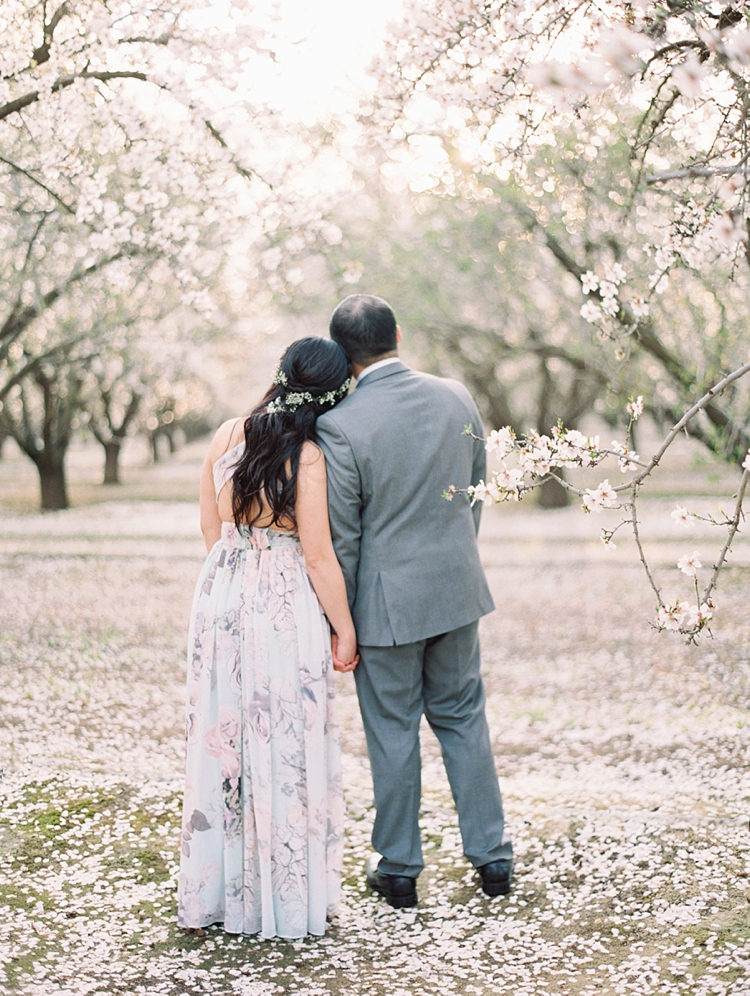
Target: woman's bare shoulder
[
  {"x": 229, "y": 434},
  {"x": 311, "y": 455}
]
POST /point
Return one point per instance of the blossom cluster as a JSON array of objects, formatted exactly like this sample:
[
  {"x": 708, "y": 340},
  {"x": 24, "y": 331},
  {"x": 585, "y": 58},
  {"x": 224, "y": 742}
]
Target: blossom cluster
[
  {"x": 539, "y": 455},
  {"x": 608, "y": 289},
  {"x": 682, "y": 616}
]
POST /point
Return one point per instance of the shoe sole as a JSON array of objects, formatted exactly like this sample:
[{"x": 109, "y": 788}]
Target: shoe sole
[
  {"x": 397, "y": 902},
  {"x": 496, "y": 889}
]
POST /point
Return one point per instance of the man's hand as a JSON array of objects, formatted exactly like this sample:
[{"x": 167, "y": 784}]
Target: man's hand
[{"x": 344, "y": 651}]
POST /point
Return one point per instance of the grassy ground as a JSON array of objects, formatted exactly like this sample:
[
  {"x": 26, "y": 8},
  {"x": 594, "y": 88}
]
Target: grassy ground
[{"x": 622, "y": 755}]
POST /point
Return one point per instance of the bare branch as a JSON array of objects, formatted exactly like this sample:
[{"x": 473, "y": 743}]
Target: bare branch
[
  {"x": 734, "y": 526},
  {"x": 637, "y": 538},
  {"x": 699, "y": 405},
  {"x": 695, "y": 171}
]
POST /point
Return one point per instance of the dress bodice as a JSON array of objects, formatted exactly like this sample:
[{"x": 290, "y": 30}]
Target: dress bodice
[
  {"x": 257, "y": 537},
  {"x": 224, "y": 466}
]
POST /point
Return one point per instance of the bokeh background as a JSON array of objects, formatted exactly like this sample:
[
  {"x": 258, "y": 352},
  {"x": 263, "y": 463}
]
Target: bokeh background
[{"x": 553, "y": 198}]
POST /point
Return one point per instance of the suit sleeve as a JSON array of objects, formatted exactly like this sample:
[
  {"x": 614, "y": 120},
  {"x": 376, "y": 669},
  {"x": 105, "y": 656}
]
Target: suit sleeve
[
  {"x": 479, "y": 465},
  {"x": 344, "y": 500}
]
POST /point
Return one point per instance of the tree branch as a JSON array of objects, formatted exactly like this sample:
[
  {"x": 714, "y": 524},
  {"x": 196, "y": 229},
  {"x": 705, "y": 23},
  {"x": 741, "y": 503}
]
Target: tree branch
[
  {"x": 734, "y": 526},
  {"x": 19, "y": 320},
  {"x": 33, "y": 365},
  {"x": 19, "y": 169},
  {"x": 695, "y": 171},
  {"x": 40, "y": 55},
  {"x": 14, "y": 106},
  {"x": 248, "y": 174}
]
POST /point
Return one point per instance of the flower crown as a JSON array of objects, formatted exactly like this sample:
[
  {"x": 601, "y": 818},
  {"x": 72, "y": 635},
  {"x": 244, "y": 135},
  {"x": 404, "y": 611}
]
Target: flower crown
[{"x": 294, "y": 399}]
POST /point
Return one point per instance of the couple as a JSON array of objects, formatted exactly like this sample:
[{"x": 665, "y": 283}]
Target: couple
[{"x": 330, "y": 547}]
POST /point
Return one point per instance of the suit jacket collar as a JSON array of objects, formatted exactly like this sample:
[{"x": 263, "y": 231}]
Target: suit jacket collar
[{"x": 382, "y": 373}]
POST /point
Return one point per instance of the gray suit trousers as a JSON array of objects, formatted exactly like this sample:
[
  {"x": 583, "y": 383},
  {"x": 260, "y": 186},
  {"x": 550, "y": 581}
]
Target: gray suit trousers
[{"x": 440, "y": 678}]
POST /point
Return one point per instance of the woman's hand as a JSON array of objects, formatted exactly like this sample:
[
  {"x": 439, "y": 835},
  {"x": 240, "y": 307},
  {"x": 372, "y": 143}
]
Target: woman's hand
[{"x": 344, "y": 650}]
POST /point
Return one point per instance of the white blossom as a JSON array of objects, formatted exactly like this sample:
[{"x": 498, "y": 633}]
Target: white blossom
[
  {"x": 695, "y": 617},
  {"x": 728, "y": 229},
  {"x": 610, "y": 306},
  {"x": 591, "y": 312},
  {"x": 295, "y": 276},
  {"x": 635, "y": 408},
  {"x": 625, "y": 456},
  {"x": 671, "y": 616},
  {"x": 682, "y": 516},
  {"x": 615, "y": 274},
  {"x": 598, "y": 499},
  {"x": 620, "y": 47},
  {"x": 480, "y": 492},
  {"x": 509, "y": 481},
  {"x": 501, "y": 441},
  {"x": 689, "y": 564},
  {"x": 737, "y": 47},
  {"x": 589, "y": 282},
  {"x": 689, "y": 76}
]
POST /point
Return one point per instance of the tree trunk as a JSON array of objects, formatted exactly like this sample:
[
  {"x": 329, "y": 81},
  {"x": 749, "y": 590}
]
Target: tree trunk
[
  {"x": 553, "y": 495},
  {"x": 54, "y": 485},
  {"x": 112, "y": 462}
]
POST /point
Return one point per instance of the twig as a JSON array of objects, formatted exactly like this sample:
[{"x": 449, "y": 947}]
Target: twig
[
  {"x": 734, "y": 526},
  {"x": 689, "y": 414},
  {"x": 695, "y": 171},
  {"x": 39, "y": 183},
  {"x": 637, "y": 538}
]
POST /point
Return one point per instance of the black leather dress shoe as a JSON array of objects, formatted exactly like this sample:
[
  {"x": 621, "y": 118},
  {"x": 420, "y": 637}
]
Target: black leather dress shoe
[
  {"x": 400, "y": 891},
  {"x": 496, "y": 877}
]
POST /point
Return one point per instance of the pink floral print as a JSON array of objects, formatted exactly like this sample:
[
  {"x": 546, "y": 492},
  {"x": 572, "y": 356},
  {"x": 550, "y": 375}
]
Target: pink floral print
[{"x": 262, "y": 831}]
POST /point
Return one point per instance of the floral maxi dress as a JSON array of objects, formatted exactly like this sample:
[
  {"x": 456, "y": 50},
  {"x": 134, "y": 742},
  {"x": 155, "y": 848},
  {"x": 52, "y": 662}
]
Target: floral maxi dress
[{"x": 262, "y": 829}]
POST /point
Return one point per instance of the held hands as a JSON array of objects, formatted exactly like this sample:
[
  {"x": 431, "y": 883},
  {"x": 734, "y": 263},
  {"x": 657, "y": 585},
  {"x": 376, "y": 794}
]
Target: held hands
[{"x": 344, "y": 650}]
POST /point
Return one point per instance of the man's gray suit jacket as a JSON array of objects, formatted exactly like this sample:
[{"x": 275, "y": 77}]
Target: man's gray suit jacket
[{"x": 409, "y": 556}]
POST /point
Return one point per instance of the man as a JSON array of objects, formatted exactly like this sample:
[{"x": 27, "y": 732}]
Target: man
[{"x": 417, "y": 590}]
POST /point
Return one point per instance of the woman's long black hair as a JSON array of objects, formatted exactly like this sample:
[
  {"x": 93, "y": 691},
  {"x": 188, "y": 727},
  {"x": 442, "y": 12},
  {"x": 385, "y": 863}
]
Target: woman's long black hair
[{"x": 312, "y": 377}]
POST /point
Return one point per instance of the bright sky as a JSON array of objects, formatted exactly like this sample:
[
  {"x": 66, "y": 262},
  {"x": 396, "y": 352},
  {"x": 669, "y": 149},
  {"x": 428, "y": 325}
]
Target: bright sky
[{"x": 331, "y": 44}]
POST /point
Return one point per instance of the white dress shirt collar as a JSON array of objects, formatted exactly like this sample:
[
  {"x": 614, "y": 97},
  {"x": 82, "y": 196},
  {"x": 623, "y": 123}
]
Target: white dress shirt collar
[{"x": 377, "y": 366}]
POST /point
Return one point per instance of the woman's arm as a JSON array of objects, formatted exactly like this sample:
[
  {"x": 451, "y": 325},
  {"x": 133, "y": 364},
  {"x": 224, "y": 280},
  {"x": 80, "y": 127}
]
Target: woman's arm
[
  {"x": 210, "y": 518},
  {"x": 311, "y": 511}
]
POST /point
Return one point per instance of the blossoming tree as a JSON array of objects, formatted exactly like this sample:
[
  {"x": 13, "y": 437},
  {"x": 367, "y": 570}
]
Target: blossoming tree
[
  {"x": 625, "y": 125},
  {"x": 127, "y": 140}
]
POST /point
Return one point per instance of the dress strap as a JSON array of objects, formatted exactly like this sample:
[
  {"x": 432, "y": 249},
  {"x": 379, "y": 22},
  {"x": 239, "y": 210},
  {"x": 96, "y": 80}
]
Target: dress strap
[{"x": 224, "y": 466}]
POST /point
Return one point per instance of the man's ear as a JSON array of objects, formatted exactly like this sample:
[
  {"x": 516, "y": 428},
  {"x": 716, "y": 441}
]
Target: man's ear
[{"x": 398, "y": 333}]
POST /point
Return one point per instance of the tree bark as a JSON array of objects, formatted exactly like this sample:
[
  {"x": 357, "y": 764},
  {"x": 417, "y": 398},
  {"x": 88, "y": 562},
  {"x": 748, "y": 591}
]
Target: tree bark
[
  {"x": 53, "y": 484},
  {"x": 112, "y": 462}
]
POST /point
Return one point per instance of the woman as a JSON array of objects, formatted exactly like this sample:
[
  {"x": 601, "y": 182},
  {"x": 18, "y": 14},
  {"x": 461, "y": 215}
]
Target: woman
[{"x": 262, "y": 834}]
